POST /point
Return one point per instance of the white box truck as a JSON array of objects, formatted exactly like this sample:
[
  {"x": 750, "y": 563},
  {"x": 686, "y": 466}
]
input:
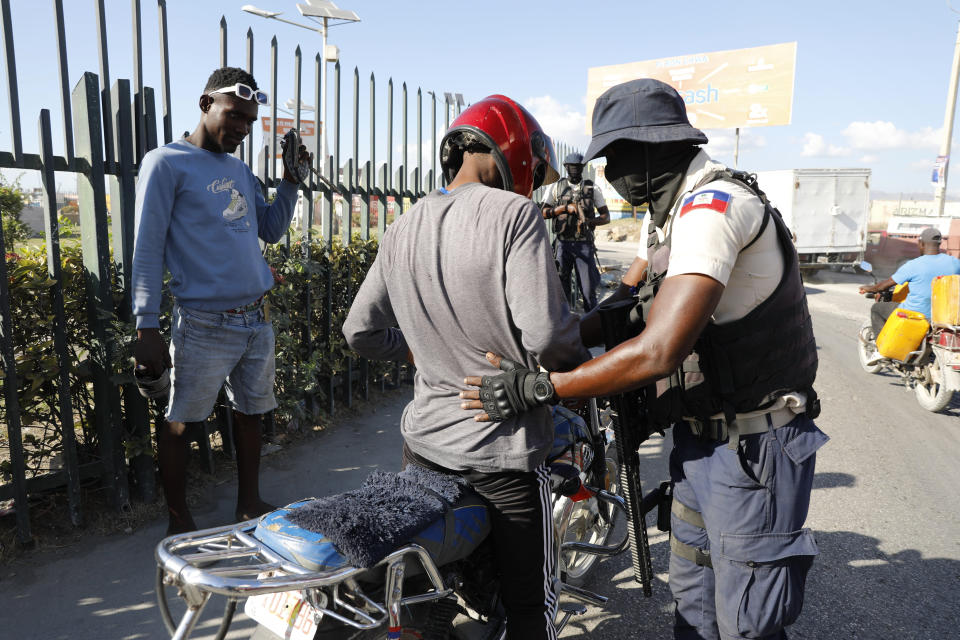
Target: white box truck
[{"x": 826, "y": 209}]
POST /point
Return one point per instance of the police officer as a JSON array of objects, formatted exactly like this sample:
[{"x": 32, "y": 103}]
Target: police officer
[
  {"x": 729, "y": 343},
  {"x": 576, "y": 207}
]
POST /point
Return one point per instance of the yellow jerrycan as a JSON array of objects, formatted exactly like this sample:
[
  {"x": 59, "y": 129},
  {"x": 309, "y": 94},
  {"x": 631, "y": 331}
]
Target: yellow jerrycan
[
  {"x": 945, "y": 301},
  {"x": 902, "y": 334}
]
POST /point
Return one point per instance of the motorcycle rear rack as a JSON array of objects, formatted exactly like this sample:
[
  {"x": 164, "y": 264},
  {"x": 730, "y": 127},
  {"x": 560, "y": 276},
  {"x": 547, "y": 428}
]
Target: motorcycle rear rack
[
  {"x": 229, "y": 561},
  {"x": 913, "y": 358}
]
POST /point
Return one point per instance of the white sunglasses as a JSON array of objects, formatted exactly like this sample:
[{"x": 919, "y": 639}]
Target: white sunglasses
[{"x": 244, "y": 91}]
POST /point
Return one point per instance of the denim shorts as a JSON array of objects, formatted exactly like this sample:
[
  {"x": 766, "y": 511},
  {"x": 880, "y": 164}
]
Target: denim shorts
[{"x": 209, "y": 348}]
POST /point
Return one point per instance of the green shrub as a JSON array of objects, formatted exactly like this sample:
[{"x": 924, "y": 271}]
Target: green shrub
[
  {"x": 299, "y": 370},
  {"x": 11, "y": 204},
  {"x": 37, "y": 367}
]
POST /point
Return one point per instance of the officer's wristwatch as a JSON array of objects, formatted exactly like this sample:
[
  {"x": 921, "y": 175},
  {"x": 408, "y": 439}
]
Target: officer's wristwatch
[{"x": 543, "y": 390}]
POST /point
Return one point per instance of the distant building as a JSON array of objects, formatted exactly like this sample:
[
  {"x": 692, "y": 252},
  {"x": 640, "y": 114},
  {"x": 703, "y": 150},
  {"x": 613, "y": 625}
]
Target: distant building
[{"x": 882, "y": 210}]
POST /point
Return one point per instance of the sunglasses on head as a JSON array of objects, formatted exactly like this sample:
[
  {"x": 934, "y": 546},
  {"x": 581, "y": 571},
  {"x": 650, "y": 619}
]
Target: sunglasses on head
[{"x": 243, "y": 91}]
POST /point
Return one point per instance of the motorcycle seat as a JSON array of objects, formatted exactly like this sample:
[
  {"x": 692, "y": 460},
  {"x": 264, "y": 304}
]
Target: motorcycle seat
[{"x": 451, "y": 536}]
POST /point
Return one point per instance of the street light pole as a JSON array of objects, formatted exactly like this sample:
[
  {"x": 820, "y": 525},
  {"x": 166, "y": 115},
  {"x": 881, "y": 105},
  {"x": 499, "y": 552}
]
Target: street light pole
[
  {"x": 321, "y": 11},
  {"x": 941, "y": 193},
  {"x": 323, "y": 103}
]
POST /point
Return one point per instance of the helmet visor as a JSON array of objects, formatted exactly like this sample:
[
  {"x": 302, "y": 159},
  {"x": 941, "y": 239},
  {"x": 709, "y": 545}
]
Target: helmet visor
[{"x": 545, "y": 160}]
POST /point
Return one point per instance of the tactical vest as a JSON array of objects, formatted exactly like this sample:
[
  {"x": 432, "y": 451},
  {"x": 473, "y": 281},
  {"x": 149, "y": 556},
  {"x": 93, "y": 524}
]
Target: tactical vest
[
  {"x": 569, "y": 226},
  {"x": 747, "y": 364}
]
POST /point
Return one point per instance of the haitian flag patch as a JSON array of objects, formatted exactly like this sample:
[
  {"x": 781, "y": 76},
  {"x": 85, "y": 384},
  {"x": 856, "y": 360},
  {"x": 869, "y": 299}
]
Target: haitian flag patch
[{"x": 713, "y": 200}]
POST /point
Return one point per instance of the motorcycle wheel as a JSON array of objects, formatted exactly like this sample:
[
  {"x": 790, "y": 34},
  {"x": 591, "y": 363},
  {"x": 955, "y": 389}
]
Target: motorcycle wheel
[
  {"x": 585, "y": 524},
  {"x": 867, "y": 349},
  {"x": 933, "y": 393}
]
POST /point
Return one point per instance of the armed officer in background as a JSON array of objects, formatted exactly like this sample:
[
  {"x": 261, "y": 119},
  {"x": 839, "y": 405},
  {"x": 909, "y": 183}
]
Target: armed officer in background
[
  {"x": 576, "y": 206},
  {"x": 729, "y": 342}
]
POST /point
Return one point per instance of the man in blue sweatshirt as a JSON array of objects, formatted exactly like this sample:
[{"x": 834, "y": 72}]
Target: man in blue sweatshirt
[{"x": 200, "y": 213}]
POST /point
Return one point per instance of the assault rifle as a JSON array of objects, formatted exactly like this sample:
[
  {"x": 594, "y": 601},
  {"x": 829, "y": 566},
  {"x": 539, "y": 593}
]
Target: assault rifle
[
  {"x": 575, "y": 198},
  {"x": 631, "y": 428}
]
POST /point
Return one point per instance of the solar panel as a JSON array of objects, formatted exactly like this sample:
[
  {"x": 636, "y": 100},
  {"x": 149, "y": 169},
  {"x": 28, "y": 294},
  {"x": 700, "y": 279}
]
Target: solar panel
[{"x": 326, "y": 9}]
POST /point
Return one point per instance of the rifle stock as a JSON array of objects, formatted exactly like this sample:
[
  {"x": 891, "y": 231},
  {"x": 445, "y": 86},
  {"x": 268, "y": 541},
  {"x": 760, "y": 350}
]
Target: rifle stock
[{"x": 630, "y": 430}]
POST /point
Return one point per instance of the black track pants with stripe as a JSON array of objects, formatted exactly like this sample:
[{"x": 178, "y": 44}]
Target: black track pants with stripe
[{"x": 522, "y": 529}]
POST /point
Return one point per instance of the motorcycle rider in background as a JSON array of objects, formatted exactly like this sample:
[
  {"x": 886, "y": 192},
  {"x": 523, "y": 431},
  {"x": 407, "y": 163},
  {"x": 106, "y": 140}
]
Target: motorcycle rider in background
[
  {"x": 576, "y": 207},
  {"x": 467, "y": 267},
  {"x": 918, "y": 274}
]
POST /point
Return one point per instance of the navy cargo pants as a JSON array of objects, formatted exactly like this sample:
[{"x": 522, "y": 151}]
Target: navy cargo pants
[
  {"x": 742, "y": 511},
  {"x": 574, "y": 253}
]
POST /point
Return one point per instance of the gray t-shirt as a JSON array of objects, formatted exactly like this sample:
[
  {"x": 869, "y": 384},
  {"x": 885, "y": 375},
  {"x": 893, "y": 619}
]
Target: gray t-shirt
[{"x": 462, "y": 273}]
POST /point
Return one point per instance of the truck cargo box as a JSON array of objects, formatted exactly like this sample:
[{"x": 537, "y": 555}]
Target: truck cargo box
[{"x": 826, "y": 209}]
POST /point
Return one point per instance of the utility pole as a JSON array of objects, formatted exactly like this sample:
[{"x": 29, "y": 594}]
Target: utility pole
[{"x": 941, "y": 192}]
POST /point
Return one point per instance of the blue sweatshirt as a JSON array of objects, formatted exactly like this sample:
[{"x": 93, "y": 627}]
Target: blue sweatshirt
[{"x": 200, "y": 214}]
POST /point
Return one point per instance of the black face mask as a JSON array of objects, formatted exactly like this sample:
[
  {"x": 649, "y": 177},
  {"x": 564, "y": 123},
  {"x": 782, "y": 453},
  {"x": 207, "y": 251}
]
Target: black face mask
[
  {"x": 650, "y": 174},
  {"x": 574, "y": 173},
  {"x": 632, "y": 186}
]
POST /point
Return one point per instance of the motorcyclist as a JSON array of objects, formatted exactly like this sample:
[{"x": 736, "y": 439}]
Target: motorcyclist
[
  {"x": 470, "y": 265},
  {"x": 576, "y": 207},
  {"x": 918, "y": 274}
]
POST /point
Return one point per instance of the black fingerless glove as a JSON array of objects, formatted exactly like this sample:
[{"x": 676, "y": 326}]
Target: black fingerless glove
[{"x": 515, "y": 391}]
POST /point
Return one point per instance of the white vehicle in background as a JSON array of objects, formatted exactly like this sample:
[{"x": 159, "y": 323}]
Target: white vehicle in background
[{"x": 826, "y": 209}]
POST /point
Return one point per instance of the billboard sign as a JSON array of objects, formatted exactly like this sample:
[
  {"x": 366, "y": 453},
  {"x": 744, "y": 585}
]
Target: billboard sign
[{"x": 723, "y": 90}]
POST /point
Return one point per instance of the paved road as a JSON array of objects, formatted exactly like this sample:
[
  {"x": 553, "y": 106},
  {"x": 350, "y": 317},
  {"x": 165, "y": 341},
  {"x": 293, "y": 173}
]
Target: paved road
[
  {"x": 886, "y": 510},
  {"x": 886, "y": 507}
]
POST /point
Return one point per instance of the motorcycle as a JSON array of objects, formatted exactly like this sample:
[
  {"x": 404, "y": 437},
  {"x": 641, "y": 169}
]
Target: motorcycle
[
  {"x": 298, "y": 586},
  {"x": 930, "y": 361}
]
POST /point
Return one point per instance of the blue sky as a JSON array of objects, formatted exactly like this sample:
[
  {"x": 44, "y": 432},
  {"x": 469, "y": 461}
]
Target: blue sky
[{"x": 870, "y": 89}]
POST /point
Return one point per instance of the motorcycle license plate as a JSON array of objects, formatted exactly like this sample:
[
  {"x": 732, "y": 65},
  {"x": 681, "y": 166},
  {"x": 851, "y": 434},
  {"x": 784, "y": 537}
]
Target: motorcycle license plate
[{"x": 285, "y": 614}]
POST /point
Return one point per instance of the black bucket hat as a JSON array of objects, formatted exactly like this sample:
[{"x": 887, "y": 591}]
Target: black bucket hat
[{"x": 644, "y": 110}]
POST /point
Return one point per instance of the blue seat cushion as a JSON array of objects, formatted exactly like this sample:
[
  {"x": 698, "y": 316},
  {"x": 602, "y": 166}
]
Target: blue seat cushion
[{"x": 307, "y": 548}]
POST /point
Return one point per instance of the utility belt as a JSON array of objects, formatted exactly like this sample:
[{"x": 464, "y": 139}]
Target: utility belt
[{"x": 718, "y": 428}]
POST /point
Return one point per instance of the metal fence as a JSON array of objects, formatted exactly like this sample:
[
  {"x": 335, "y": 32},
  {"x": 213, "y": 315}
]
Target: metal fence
[{"x": 108, "y": 128}]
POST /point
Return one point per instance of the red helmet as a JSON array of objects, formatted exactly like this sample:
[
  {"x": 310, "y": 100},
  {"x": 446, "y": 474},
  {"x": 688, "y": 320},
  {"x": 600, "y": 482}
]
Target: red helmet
[{"x": 523, "y": 152}]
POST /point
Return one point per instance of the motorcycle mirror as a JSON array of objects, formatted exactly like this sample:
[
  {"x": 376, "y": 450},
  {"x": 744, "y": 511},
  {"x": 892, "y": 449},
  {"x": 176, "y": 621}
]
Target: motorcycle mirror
[{"x": 866, "y": 266}]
